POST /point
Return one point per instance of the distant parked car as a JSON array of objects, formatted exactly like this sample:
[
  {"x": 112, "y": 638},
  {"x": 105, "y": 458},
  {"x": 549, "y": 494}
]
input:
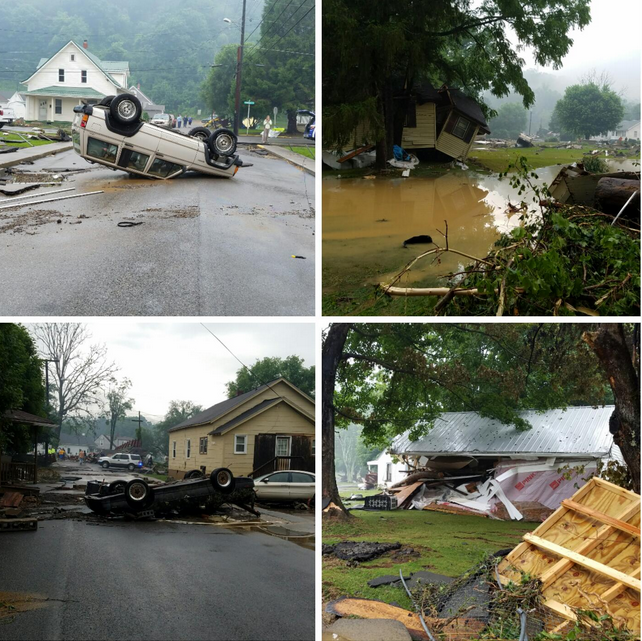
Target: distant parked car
[
  {"x": 6, "y": 116},
  {"x": 162, "y": 120},
  {"x": 290, "y": 485},
  {"x": 112, "y": 133},
  {"x": 130, "y": 461},
  {"x": 310, "y": 128}
]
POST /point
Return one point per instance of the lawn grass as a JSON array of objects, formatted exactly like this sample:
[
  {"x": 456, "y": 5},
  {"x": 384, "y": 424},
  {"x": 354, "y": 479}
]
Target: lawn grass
[
  {"x": 447, "y": 544},
  {"x": 13, "y": 140},
  {"x": 160, "y": 477},
  {"x": 308, "y": 152}
]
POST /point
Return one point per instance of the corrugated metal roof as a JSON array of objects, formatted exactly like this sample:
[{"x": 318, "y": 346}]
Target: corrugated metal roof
[{"x": 576, "y": 431}]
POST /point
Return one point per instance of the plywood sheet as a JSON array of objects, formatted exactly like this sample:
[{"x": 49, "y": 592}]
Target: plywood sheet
[{"x": 601, "y": 541}]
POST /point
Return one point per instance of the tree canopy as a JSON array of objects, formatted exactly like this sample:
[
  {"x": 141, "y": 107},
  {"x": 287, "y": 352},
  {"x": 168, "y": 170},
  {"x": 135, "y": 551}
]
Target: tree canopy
[
  {"x": 391, "y": 378},
  {"x": 21, "y": 384},
  {"x": 373, "y": 49},
  {"x": 270, "y": 368},
  {"x": 588, "y": 109},
  {"x": 510, "y": 121}
]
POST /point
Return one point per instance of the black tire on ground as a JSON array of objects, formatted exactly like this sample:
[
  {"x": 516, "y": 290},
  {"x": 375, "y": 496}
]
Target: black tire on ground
[
  {"x": 2, "y": 125},
  {"x": 222, "y": 142},
  {"x": 138, "y": 494},
  {"x": 117, "y": 487},
  {"x": 106, "y": 101},
  {"x": 194, "y": 474},
  {"x": 222, "y": 480},
  {"x": 202, "y": 133},
  {"x": 104, "y": 465},
  {"x": 131, "y": 467},
  {"x": 125, "y": 109}
]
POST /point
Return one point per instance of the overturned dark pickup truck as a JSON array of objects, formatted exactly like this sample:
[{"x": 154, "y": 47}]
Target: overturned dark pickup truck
[{"x": 137, "y": 498}]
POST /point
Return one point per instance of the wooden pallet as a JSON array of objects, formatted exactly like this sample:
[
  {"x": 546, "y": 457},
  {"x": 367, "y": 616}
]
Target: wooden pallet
[{"x": 587, "y": 555}]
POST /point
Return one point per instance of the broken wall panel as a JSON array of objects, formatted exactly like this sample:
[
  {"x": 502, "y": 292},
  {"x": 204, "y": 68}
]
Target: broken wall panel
[{"x": 587, "y": 555}]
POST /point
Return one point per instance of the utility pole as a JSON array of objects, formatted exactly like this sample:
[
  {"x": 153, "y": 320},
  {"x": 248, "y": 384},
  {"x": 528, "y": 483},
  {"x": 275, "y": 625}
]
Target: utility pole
[
  {"x": 139, "y": 432},
  {"x": 239, "y": 64},
  {"x": 46, "y": 361}
]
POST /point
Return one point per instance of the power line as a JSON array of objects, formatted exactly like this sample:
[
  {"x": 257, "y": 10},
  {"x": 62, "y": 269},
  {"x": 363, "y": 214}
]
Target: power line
[{"x": 262, "y": 19}]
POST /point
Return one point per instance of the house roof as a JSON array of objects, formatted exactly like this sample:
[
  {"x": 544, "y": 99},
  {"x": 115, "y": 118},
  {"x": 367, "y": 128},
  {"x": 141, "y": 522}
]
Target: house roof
[
  {"x": 574, "y": 432},
  {"x": 627, "y": 124},
  {"x": 66, "y": 92},
  {"x": 216, "y": 411},
  {"x": 243, "y": 416},
  {"x": 19, "y": 416},
  {"x": 76, "y": 439},
  {"x": 105, "y": 66}
]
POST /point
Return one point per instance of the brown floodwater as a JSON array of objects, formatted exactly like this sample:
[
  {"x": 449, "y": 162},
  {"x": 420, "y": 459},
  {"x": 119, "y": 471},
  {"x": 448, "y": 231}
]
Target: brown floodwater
[{"x": 365, "y": 222}]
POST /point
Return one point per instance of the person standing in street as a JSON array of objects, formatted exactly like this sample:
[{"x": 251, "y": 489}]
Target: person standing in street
[
  {"x": 81, "y": 457},
  {"x": 178, "y": 122},
  {"x": 267, "y": 125}
]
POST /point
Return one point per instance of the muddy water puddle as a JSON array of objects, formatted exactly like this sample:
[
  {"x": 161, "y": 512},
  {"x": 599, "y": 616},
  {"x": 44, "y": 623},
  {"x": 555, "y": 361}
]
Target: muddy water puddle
[{"x": 365, "y": 223}]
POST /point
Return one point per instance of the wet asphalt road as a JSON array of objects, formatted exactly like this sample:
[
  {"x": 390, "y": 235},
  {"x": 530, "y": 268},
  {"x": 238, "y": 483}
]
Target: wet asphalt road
[
  {"x": 207, "y": 245},
  {"x": 157, "y": 581}
]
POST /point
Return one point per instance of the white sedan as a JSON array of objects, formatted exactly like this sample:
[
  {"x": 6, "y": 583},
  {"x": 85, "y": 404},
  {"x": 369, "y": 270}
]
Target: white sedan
[{"x": 287, "y": 485}]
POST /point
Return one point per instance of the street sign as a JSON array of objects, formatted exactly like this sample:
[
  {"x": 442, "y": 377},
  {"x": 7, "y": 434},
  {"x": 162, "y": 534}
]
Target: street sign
[
  {"x": 248, "y": 102},
  {"x": 276, "y": 111}
]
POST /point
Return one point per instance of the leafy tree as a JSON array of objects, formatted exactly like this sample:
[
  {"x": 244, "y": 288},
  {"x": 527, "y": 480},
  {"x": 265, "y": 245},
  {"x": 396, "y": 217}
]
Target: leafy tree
[
  {"x": 285, "y": 53},
  {"x": 217, "y": 90},
  {"x": 510, "y": 121},
  {"x": 178, "y": 412},
  {"x": 119, "y": 404},
  {"x": 371, "y": 49},
  {"x": 21, "y": 386},
  {"x": 390, "y": 378},
  {"x": 270, "y": 368},
  {"x": 589, "y": 109}
]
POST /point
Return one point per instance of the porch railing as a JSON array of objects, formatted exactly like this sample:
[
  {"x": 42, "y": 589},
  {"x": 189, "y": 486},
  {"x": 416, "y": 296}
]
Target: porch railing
[
  {"x": 17, "y": 473},
  {"x": 276, "y": 464}
]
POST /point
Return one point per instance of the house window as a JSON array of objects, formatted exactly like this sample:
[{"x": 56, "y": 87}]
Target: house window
[
  {"x": 58, "y": 106},
  {"x": 72, "y": 57},
  {"x": 188, "y": 448},
  {"x": 202, "y": 445},
  {"x": 460, "y": 129},
  {"x": 388, "y": 471},
  {"x": 61, "y": 75},
  {"x": 240, "y": 444},
  {"x": 173, "y": 449},
  {"x": 282, "y": 446},
  {"x": 83, "y": 76}
]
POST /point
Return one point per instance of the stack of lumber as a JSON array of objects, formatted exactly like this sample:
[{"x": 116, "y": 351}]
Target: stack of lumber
[{"x": 587, "y": 556}]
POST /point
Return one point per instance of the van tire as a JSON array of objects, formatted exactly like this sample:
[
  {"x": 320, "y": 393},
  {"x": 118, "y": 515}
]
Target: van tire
[
  {"x": 138, "y": 494},
  {"x": 125, "y": 109},
  {"x": 131, "y": 467},
  {"x": 222, "y": 142},
  {"x": 106, "y": 101},
  {"x": 222, "y": 480},
  {"x": 194, "y": 474},
  {"x": 202, "y": 133}
]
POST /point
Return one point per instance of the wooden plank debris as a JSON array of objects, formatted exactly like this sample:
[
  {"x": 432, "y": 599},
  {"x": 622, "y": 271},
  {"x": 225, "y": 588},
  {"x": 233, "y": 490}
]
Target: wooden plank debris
[
  {"x": 356, "y": 152},
  {"x": 11, "y": 499}
]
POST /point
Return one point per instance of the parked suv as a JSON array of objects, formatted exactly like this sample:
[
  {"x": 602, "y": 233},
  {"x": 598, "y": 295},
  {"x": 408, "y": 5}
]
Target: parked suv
[
  {"x": 130, "y": 461},
  {"x": 112, "y": 133}
]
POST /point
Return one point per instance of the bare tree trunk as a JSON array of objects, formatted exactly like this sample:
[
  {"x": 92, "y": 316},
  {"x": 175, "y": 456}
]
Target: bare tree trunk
[
  {"x": 331, "y": 357},
  {"x": 619, "y": 362}
]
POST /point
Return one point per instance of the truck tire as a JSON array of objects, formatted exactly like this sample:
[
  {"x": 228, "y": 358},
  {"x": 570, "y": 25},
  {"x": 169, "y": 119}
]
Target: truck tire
[
  {"x": 222, "y": 142},
  {"x": 194, "y": 474},
  {"x": 106, "y": 101},
  {"x": 202, "y": 133},
  {"x": 125, "y": 109},
  {"x": 222, "y": 480},
  {"x": 117, "y": 487},
  {"x": 104, "y": 465},
  {"x": 138, "y": 494}
]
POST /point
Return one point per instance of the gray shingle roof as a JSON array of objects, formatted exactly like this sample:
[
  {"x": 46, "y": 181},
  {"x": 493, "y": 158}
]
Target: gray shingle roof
[{"x": 576, "y": 431}]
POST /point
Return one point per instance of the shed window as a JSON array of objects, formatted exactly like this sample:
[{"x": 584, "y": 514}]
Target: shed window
[
  {"x": 411, "y": 114},
  {"x": 83, "y": 76},
  {"x": 58, "y": 106},
  {"x": 202, "y": 445},
  {"x": 173, "y": 449},
  {"x": 460, "y": 127},
  {"x": 61, "y": 75},
  {"x": 240, "y": 444},
  {"x": 188, "y": 448}
]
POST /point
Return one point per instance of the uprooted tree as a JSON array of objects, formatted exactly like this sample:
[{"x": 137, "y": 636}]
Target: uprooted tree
[
  {"x": 372, "y": 49},
  {"x": 392, "y": 378}
]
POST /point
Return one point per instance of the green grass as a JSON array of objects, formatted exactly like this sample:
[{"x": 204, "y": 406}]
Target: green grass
[
  {"x": 448, "y": 544},
  {"x": 308, "y": 152},
  {"x": 12, "y": 140},
  {"x": 160, "y": 477},
  {"x": 498, "y": 159}
]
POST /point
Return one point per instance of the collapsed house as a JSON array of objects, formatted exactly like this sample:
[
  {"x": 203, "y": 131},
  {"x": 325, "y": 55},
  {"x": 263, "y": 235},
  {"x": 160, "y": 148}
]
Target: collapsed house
[{"x": 472, "y": 464}]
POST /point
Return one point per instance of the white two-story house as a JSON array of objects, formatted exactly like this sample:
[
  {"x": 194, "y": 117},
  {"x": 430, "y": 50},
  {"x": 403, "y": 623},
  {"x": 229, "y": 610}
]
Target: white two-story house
[{"x": 69, "y": 77}]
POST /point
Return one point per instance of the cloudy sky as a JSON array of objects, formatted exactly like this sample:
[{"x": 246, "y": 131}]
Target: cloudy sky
[
  {"x": 182, "y": 361},
  {"x": 611, "y": 42}
]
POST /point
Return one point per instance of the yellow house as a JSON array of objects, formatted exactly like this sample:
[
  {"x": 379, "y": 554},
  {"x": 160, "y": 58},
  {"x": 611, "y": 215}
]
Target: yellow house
[{"x": 269, "y": 428}]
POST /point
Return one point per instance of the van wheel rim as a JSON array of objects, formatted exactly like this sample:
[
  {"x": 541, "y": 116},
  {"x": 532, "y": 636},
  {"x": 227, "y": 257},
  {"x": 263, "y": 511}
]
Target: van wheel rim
[
  {"x": 224, "y": 142},
  {"x": 137, "y": 492},
  {"x": 201, "y": 136},
  {"x": 223, "y": 479},
  {"x": 127, "y": 110}
]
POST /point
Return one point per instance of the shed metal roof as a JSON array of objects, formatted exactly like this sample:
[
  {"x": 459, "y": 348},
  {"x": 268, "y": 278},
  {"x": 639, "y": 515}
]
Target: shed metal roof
[{"x": 576, "y": 431}]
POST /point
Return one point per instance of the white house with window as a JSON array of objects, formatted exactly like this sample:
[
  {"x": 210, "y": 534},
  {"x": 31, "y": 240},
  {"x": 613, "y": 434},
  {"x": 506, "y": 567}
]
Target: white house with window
[
  {"x": 389, "y": 469},
  {"x": 71, "y": 76}
]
